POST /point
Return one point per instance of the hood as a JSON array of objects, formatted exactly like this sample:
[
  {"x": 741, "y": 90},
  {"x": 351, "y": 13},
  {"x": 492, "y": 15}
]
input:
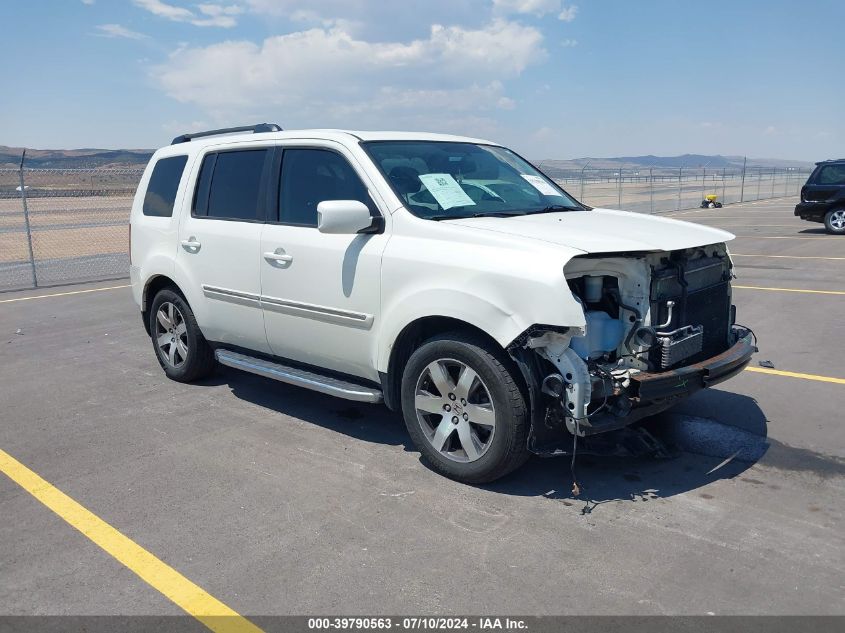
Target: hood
[{"x": 603, "y": 230}]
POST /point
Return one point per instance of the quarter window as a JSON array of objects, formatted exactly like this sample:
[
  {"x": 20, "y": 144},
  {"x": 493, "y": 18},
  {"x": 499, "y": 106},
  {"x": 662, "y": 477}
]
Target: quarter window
[
  {"x": 229, "y": 186},
  {"x": 164, "y": 182},
  {"x": 832, "y": 175},
  {"x": 310, "y": 176}
]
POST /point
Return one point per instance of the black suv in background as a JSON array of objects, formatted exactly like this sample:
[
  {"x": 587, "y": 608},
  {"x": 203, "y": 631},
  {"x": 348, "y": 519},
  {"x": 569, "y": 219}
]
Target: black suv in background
[{"x": 823, "y": 196}]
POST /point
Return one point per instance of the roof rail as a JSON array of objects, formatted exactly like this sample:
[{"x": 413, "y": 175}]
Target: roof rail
[{"x": 255, "y": 129}]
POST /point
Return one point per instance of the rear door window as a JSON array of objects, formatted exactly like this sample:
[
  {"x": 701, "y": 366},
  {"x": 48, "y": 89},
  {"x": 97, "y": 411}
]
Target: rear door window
[
  {"x": 164, "y": 183},
  {"x": 230, "y": 185}
]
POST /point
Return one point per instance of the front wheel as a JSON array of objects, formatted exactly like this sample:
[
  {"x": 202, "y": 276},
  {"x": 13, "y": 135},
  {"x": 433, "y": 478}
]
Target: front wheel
[
  {"x": 464, "y": 409},
  {"x": 180, "y": 347},
  {"x": 834, "y": 221}
]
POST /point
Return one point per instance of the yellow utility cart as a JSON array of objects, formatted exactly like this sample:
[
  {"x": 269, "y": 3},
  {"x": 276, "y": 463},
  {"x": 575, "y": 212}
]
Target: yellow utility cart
[{"x": 711, "y": 201}]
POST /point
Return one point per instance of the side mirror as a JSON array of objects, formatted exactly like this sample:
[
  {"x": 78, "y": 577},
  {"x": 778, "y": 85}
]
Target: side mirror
[{"x": 346, "y": 217}]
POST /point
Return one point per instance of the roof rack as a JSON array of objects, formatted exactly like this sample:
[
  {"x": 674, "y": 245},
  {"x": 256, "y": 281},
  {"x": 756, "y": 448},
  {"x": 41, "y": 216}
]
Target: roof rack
[{"x": 255, "y": 129}]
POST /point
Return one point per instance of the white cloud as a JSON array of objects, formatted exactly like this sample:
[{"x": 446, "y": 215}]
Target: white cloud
[
  {"x": 340, "y": 78},
  {"x": 535, "y": 7},
  {"x": 218, "y": 15},
  {"x": 164, "y": 10},
  {"x": 210, "y": 14},
  {"x": 88, "y": 2},
  {"x": 506, "y": 103},
  {"x": 372, "y": 19},
  {"x": 567, "y": 14},
  {"x": 317, "y": 7},
  {"x": 569, "y": 43},
  {"x": 116, "y": 30}
]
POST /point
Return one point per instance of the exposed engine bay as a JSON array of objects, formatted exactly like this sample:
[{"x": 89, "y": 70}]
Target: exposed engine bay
[{"x": 658, "y": 326}]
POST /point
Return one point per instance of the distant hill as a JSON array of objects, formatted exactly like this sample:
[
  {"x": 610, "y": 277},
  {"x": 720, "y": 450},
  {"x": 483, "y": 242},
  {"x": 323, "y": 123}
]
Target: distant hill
[
  {"x": 88, "y": 158},
  {"x": 75, "y": 158}
]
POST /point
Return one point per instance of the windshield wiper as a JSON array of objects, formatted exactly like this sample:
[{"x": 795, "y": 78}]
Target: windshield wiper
[
  {"x": 552, "y": 208},
  {"x": 505, "y": 214},
  {"x": 437, "y": 218},
  {"x": 488, "y": 214}
]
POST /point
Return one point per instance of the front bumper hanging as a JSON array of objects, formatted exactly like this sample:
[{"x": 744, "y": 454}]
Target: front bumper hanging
[
  {"x": 648, "y": 394},
  {"x": 687, "y": 380}
]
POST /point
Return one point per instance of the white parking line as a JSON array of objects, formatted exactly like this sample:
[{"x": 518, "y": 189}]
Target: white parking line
[
  {"x": 788, "y": 256},
  {"x": 63, "y": 294}
]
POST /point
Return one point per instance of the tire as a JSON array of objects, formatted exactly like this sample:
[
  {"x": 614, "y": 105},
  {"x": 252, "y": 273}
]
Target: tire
[
  {"x": 834, "y": 221},
  {"x": 718, "y": 205},
  {"x": 485, "y": 437},
  {"x": 191, "y": 357}
]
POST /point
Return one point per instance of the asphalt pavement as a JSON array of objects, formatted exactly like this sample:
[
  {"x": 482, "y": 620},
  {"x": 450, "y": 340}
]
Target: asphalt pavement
[{"x": 277, "y": 500}]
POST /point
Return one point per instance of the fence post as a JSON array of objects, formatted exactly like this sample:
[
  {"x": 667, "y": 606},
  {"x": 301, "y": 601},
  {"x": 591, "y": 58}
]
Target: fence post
[
  {"x": 651, "y": 187},
  {"x": 759, "y": 181},
  {"x": 742, "y": 190},
  {"x": 26, "y": 222},
  {"x": 619, "y": 189},
  {"x": 582, "y": 180},
  {"x": 723, "y": 186},
  {"x": 774, "y": 174},
  {"x": 680, "y": 173}
]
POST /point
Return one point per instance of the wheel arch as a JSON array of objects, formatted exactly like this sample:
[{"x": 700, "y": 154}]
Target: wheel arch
[
  {"x": 152, "y": 287},
  {"x": 415, "y": 334}
]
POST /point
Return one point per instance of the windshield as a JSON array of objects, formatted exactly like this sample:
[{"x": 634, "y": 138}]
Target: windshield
[{"x": 441, "y": 181}]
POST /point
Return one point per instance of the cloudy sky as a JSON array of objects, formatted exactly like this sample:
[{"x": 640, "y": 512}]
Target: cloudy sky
[{"x": 551, "y": 78}]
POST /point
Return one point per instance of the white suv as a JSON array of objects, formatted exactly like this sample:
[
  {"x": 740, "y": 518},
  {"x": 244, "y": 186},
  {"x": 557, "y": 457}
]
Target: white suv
[{"x": 444, "y": 276}]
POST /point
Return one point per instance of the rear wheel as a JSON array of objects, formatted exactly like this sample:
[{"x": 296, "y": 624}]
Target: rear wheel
[
  {"x": 463, "y": 408},
  {"x": 180, "y": 347},
  {"x": 834, "y": 221}
]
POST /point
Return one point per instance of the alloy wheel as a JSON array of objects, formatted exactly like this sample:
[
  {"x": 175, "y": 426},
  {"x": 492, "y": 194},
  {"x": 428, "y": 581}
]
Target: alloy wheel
[
  {"x": 455, "y": 410},
  {"x": 171, "y": 334}
]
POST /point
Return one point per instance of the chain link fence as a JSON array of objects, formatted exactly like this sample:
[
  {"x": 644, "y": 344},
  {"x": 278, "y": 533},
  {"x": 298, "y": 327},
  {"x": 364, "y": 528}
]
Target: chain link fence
[
  {"x": 61, "y": 226},
  {"x": 662, "y": 190},
  {"x": 64, "y": 225}
]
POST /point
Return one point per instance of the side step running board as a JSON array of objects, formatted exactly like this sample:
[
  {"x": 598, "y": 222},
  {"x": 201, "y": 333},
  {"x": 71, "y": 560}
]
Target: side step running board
[{"x": 299, "y": 377}]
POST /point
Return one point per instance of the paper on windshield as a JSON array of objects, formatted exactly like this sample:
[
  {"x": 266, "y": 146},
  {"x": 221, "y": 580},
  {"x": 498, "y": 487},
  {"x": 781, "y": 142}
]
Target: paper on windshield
[
  {"x": 446, "y": 190},
  {"x": 541, "y": 185}
]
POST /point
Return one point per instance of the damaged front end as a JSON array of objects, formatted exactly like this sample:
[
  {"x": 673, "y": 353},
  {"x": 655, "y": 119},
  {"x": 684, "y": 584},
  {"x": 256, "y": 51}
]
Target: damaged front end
[{"x": 658, "y": 327}]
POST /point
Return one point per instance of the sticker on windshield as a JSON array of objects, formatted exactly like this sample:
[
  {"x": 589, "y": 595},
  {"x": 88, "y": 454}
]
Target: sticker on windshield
[
  {"x": 541, "y": 185},
  {"x": 446, "y": 190}
]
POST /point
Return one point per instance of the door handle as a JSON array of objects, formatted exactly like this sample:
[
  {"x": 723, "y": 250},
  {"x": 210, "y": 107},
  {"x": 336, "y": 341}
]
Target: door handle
[
  {"x": 191, "y": 244},
  {"x": 278, "y": 257}
]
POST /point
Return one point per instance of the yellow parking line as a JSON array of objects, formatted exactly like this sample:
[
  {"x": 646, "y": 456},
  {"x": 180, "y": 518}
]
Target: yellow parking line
[
  {"x": 63, "y": 294},
  {"x": 818, "y": 292},
  {"x": 160, "y": 576},
  {"x": 792, "y": 374},
  {"x": 747, "y": 216},
  {"x": 788, "y": 256},
  {"x": 791, "y": 237}
]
